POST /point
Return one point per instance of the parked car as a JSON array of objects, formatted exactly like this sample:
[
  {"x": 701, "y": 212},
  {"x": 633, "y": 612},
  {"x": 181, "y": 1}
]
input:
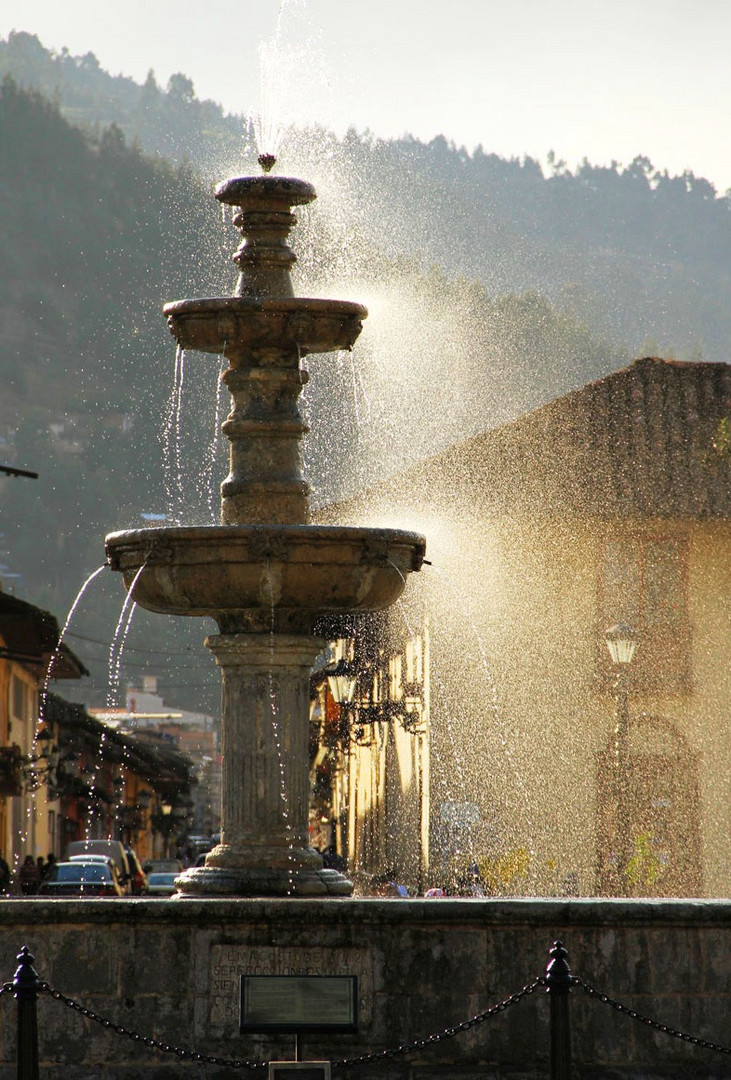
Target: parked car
[
  {"x": 199, "y": 846},
  {"x": 163, "y": 866},
  {"x": 113, "y": 848},
  {"x": 138, "y": 875},
  {"x": 82, "y": 879},
  {"x": 104, "y": 860},
  {"x": 162, "y": 883}
]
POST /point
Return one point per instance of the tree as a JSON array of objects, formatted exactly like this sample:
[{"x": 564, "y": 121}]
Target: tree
[{"x": 180, "y": 89}]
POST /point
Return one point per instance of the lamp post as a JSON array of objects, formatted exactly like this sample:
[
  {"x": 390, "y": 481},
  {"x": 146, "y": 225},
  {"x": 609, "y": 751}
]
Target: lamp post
[
  {"x": 342, "y": 680},
  {"x": 621, "y": 641}
]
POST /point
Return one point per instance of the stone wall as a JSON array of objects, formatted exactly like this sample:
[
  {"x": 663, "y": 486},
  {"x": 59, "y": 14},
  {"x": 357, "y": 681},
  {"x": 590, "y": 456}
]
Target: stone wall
[{"x": 170, "y": 969}]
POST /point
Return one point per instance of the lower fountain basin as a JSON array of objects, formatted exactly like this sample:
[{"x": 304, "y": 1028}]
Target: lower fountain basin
[
  {"x": 295, "y": 325},
  {"x": 262, "y": 578}
]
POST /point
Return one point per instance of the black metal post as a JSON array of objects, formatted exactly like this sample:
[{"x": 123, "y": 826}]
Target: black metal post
[
  {"x": 558, "y": 986},
  {"x": 26, "y": 985},
  {"x": 623, "y": 838}
]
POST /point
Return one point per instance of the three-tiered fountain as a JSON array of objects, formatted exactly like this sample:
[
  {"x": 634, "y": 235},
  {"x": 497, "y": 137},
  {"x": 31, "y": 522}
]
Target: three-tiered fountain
[{"x": 265, "y": 574}]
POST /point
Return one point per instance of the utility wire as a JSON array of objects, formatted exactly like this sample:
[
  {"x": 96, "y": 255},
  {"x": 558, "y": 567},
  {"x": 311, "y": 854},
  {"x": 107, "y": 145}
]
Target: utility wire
[
  {"x": 131, "y": 648},
  {"x": 128, "y": 663}
]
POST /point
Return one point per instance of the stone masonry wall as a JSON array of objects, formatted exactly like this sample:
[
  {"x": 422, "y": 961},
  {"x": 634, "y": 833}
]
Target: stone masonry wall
[{"x": 171, "y": 969}]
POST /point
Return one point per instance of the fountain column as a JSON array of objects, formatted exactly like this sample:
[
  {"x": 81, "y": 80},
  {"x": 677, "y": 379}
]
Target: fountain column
[{"x": 264, "y": 805}]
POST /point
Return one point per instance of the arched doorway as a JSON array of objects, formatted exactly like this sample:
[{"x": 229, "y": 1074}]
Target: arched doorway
[{"x": 659, "y": 840}]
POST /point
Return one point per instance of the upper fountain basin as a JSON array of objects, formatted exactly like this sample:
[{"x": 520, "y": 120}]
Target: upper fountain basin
[
  {"x": 262, "y": 578},
  {"x": 264, "y": 192},
  {"x": 291, "y": 325}
]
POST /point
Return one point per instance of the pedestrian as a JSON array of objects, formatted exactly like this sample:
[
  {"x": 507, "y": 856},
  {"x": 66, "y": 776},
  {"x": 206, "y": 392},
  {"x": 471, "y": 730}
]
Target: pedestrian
[
  {"x": 29, "y": 877},
  {"x": 50, "y": 866}
]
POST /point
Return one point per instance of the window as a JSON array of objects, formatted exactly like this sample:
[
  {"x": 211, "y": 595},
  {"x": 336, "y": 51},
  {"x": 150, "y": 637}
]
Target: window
[
  {"x": 644, "y": 582},
  {"x": 21, "y": 699}
]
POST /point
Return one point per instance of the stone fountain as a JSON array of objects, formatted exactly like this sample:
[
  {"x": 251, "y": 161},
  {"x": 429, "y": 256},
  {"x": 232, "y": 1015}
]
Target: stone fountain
[{"x": 265, "y": 574}]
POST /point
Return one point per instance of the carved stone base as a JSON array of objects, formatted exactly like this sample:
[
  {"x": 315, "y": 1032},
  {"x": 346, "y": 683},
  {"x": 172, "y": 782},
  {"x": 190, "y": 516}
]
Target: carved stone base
[{"x": 229, "y": 872}]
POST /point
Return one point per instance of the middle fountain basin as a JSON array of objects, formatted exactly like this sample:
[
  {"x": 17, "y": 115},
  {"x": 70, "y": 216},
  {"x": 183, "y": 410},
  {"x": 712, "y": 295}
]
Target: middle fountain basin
[
  {"x": 235, "y": 324},
  {"x": 265, "y": 578}
]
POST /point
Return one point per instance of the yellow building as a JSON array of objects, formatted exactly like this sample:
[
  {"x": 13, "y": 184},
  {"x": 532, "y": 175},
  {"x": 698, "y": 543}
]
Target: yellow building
[
  {"x": 64, "y": 774},
  {"x": 611, "y": 504},
  {"x": 31, "y": 821}
]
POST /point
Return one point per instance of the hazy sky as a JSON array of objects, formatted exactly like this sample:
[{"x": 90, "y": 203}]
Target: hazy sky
[{"x": 605, "y": 79}]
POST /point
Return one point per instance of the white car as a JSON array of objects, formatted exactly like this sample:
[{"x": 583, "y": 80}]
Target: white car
[
  {"x": 106, "y": 859},
  {"x": 162, "y": 882}
]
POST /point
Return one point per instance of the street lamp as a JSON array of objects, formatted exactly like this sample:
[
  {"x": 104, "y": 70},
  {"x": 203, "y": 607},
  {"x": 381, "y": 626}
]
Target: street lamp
[
  {"x": 342, "y": 680},
  {"x": 621, "y": 641}
]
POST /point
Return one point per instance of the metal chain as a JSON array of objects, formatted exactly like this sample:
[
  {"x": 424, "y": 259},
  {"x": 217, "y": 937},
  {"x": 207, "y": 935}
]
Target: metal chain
[
  {"x": 404, "y": 1048},
  {"x": 447, "y": 1033},
  {"x": 146, "y": 1040},
  {"x": 194, "y": 1055},
  {"x": 654, "y": 1024}
]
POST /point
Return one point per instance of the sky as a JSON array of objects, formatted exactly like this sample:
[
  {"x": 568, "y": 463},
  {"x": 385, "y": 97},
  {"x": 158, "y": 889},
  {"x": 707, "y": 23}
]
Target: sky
[{"x": 601, "y": 79}]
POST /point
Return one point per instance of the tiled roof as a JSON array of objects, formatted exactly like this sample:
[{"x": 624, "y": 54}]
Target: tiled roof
[
  {"x": 30, "y": 635},
  {"x": 638, "y": 442}
]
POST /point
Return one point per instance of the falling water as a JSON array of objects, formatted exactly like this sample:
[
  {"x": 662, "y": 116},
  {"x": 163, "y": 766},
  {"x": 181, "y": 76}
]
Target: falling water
[
  {"x": 276, "y": 730},
  {"x": 116, "y": 651},
  {"x": 361, "y": 401},
  {"x": 213, "y": 446},
  {"x": 169, "y": 429},
  {"x": 119, "y": 638},
  {"x": 57, "y": 650},
  {"x": 177, "y": 431},
  {"x": 25, "y": 830},
  {"x": 461, "y": 787}
]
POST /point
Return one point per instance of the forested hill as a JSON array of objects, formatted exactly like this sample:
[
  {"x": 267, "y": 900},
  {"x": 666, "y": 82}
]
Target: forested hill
[
  {"x": 639, "y": 256},
  {"x": 492, "y": 288},
  {"x": 96, "y": 236},
  {"x": 170, "y": 122}
]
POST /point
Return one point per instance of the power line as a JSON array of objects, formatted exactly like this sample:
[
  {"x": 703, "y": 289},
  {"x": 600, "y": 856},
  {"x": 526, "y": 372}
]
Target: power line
[
  {"x": 164, "y": 685},
  {"x": 130, "y": 648},
  {"x": 131, "y": 663}
]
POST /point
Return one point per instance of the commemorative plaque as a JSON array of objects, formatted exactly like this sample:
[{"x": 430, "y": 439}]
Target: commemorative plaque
[{"x": 272, "y": 1004}]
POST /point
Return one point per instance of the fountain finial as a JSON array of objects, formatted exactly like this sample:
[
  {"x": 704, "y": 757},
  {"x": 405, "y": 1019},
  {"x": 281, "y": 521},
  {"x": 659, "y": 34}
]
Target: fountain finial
[{"x": 267, "y": 162}]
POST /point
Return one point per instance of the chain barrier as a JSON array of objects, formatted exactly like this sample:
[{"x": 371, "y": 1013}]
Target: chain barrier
[
  {"x": 380, "y": 1055},
  {"x": 147, "y": 1040},
  {"x": 447, "y": 1033},
  {"x": 605, "y": 999},
  {"x": 207, "y": 1059}
]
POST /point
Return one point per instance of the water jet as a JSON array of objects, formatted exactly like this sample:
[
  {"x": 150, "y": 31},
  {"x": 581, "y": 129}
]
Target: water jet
[{"x": 265, "y": 574}]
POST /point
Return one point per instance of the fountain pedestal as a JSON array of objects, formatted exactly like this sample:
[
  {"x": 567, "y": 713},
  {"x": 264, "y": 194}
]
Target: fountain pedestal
[{"x": 264, "y": 847}]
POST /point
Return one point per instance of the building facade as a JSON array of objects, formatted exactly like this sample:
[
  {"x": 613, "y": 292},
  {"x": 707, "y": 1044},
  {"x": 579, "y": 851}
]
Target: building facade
[
  {"x": 64, "y": 774},
  {"x": 611, "y": 504}
]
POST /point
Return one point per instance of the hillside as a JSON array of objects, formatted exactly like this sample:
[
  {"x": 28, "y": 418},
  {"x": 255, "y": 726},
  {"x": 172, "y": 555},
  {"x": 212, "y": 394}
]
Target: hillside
[
  {"x": 98, "y": 236},
  {"x": 638, "y": 256},
  {"x": 491, "y": 287}
]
